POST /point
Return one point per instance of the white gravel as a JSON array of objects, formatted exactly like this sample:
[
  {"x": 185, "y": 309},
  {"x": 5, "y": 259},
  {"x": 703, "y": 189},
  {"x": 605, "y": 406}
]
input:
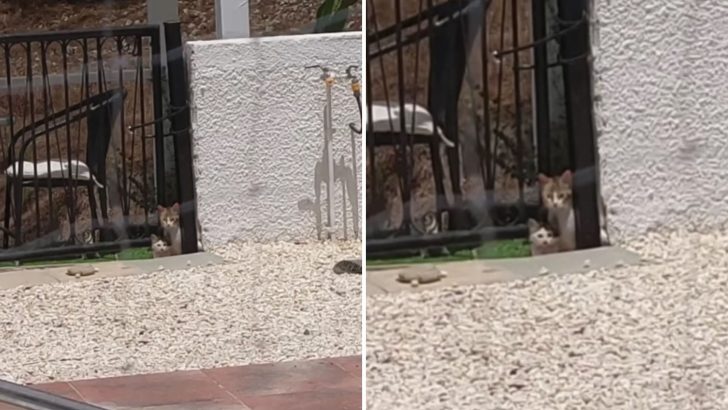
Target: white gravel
[
  {"x": 653, "y": 336},
  {"x": 269, "y": 303}
]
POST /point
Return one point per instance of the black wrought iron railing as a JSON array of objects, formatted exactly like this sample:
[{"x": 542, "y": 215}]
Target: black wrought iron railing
[
  {"x": 86, "y": 136},
  {"x": 461, "y": 120}
]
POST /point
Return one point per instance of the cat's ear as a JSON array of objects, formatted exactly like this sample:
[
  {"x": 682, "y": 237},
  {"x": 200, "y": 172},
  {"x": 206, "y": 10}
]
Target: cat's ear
[
  {"x": 160, "y": 208},
  {"x": 154, "y": 238},
  {"x": 175, "y": 206},
  {"x": 543, "y": 179},
  {"x": 566, "y": 177},
  {"x": 532, "y": 225}
]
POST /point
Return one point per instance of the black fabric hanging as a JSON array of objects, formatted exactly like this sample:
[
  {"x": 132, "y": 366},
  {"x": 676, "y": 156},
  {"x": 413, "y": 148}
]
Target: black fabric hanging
[{"x": 449, "y": 45}]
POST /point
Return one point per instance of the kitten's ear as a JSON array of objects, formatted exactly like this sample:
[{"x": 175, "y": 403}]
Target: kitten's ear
[
  {"x": 175, "y": 206},
  {"x": 543, "y": 179},
  {"x": 532, "y": 225},
  {"x": 566, "y": 177},
  {"x": 154, "y": 238},
  {"x": 160, "y": 208}
]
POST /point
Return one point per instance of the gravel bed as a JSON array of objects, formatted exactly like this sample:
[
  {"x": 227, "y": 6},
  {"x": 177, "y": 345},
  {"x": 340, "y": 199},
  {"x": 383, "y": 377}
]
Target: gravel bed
[
  {"x": 653, "y": 336},
  {"x": 268, "y": 303}
]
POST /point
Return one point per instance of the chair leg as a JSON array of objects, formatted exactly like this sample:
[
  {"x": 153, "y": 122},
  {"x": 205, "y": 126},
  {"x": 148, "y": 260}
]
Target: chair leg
[
  {"x": 460, "y": 217},
  {"x": 372, "y": 169},
  {"x": 439, "y": 176},
  {"x": 104, "y": 205},
  {"x": 453, "y": 162},
  {"x": 8, "y": 206},
  {"x": 92, "y": 203},
  {"x": 18, "y": 194}
]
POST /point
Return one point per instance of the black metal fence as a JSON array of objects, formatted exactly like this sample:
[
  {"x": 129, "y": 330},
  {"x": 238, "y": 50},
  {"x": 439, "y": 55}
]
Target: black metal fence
[
  {"x": 84, "y": 120},
  {"x": 467, "y": 101}
]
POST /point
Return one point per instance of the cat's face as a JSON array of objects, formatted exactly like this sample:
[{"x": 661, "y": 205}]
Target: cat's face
[
  {"x": 540, "y": 235},
  {"x": 556, "y": 192},
  {"x": 158, "y": 244},
  {"x": 169, "y": 216}
]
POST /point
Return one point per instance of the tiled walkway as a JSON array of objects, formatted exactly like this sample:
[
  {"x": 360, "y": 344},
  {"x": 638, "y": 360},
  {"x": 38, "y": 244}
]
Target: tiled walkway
[{"x": 333, "y": 383}]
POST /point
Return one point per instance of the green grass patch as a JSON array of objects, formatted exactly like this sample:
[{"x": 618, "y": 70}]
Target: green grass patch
[
  {"x": 125, "y": 255},
  {"x": 512, "y": 248}
]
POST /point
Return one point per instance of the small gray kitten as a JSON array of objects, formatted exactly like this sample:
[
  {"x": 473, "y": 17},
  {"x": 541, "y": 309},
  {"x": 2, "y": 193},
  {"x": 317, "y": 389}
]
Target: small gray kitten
[
  {"x": 160, "y": 248},
  {"x": 542, "y": 237}
]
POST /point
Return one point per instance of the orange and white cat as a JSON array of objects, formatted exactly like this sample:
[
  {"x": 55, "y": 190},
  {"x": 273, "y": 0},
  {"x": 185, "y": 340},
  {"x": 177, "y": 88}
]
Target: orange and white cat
[
  {"x": 556, "y": 194},
  {"x": 171, "y": 231}
]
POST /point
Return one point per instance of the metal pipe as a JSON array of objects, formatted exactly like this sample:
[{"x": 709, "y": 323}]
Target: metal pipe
[
  {"x": 327, "y": 76},
  {"x": 329, "y": 137},
  {"x": 541, "y": 86},
  {"x": 157, "y": 90},
  {"x": 405, "y": 143},
  {"x": 473, "y": 238},
  {"x": 370, "y": 168},
  {"x": 28, "y": 398},
  {"x": 75, "y": 78},
  {"x": 580, "y": 117},
  {"x": 355, "y": 212},
  {"x": 141, "y": 30},
  {"x": 180, "y": 125},
  {"x": 519, "y": 115},
  {"x": 18, "y": 254},
  {"x": 356, "y": 91},
  {"x": 448, "y": 8}
]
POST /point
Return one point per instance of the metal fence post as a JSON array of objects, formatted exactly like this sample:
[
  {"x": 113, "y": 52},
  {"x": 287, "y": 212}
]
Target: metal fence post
[
  {"x": 541, "y": 89},
  {"x": 160, "y": 12},
  {"x": 580, "y": 119},
  {"x": 159, "y": 165},
  {"x": 180, "y": 129}
]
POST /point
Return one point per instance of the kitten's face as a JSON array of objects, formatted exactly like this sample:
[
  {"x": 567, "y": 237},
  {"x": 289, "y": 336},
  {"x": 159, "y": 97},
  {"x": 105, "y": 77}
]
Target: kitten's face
[
  {"x": 540, "y": 235},
  {"x": 158, "y": 245},
  {"x": 169, "y": 216},
  {"x": 556, "y": 192}
]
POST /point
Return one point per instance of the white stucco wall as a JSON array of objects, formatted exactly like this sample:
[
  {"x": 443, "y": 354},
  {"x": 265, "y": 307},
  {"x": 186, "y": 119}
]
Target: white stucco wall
[
  {"x": 661, "y": 70},
  {"x": 257, "y": 119}
]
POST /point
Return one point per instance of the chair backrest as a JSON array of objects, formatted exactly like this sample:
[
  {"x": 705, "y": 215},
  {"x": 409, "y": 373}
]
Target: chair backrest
[
  {"x": 456, "y": 24},
  {"x": 102, "y": 116},
  {"x": 449, "y": 45},
  {"x": 100, "y": 111}
]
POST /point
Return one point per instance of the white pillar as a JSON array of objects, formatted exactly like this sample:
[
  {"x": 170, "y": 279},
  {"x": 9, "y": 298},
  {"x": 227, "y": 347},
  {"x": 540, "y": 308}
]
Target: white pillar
[
  {"x": 159, "y": 12},
  {"x": 232, "y": 18}
]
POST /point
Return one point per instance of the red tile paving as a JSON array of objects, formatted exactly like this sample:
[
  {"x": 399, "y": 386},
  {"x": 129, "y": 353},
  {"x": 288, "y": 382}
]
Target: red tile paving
[
  {"x": 60, "y": 389},
  {"x": 320, "y": 400},
  {"x": 351, "y": 364},
  {"x": 282, "y": 378},
  {"x": 333, "y": 383},
  {"x": 154, "y": 390}
]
